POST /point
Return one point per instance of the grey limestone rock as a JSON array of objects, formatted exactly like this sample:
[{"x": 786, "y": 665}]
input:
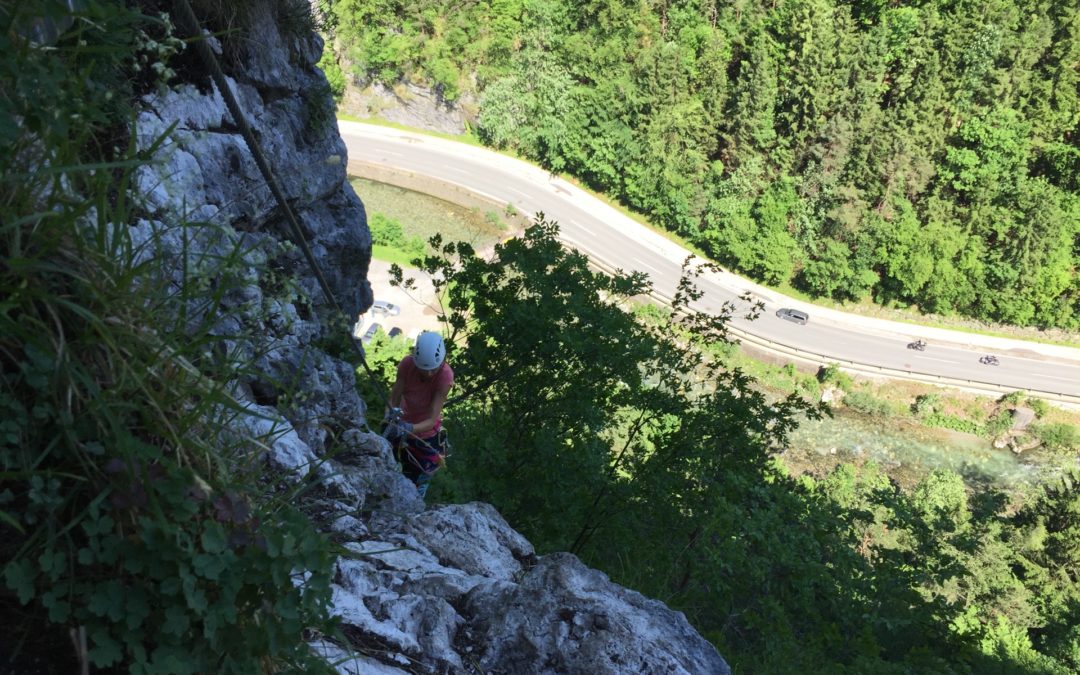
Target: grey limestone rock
[
  {"x": 566, "y": 618},
  {"x": 416, "y": 593},
  {"x": 350, "y": 662},
  {"x": 474, "y": 538},
  {"x": 376, "y": 603},
  {"x": 410, "y": 105}
]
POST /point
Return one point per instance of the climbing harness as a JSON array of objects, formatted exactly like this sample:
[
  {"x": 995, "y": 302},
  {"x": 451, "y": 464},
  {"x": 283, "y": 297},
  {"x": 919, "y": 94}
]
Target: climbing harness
[{"x": 400, "y": 443}]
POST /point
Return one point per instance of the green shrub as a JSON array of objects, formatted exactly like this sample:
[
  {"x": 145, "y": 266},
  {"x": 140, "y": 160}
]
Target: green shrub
[
  {"x": 925, "y": 404},
  {"x": 445, "y": 76},
  {"x": 868, "y": 404},
  {"x": 415, "y": 247},
  {"x": 131, "y": 509},
  {"x": 1040, "y": 407},
  {"x": 1001, "y": 422},
  {"x": 808, "y": 387},
  {"x": 1012, "y": 398},
  {"x": 335, "y": 77},
  {"x": 1058, "y": 437},
  {"x": 389, "y": 232},
  {"x": 386, "y": 231},
  {"x": 943, "y": 421},
  {"x": 832, "y": 375}
]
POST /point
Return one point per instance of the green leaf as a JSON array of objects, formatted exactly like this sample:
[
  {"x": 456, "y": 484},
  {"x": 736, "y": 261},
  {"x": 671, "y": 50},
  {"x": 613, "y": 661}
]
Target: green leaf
[
  {"x": 7, "y": 518},
  {"x": 59, "y": 610},
  {"x": 19, "y": 576},
  {"x": 176, "y": 621},
  {"x": 106, "y": 650},
  {"x": 214, "y": 539},
  {"x": 107, "y": 600},
  {"x": 135, "y": 564},
  {"x": 94, "y": 526},
  {"x": 109, "y": 550},
  {"x": 288, "y": 544},
  {"x": 209, "y": 566},
  {"x": 52, "y": 562},
  {"x": 273, "y": 544},
  {"x": 137, "y": 608},
  {"x": 172, "y": 660},
  {"x": 170, "y": 586}
]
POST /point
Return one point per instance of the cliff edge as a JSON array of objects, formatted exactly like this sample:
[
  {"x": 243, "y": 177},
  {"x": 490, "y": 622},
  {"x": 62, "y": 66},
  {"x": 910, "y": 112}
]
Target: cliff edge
[{"x": 448, "y": 589}]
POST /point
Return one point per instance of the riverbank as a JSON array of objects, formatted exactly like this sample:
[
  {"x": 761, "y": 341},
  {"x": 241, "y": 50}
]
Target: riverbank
[{"x": 911, "y": 429}]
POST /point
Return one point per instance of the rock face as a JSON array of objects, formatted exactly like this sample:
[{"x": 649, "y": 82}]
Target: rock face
[
  {"x": 410, "y": 105},
  {"x": 566, "y": 618},
  {"x": 444, "y": 590},
  {"x": 457, "y": 590}
]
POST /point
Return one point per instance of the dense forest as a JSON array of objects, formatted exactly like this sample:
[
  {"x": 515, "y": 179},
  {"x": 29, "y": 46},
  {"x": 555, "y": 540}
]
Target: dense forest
[{"x": 917, "y": 153}]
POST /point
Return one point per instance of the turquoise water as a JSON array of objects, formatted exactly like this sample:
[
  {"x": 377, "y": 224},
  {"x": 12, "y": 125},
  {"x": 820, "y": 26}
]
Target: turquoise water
[{"x": 908, "y": 452}]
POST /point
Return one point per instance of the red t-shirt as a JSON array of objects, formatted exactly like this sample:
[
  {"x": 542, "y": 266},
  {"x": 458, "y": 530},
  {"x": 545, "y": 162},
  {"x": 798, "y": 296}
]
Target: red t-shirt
[{"x": 416, "y": 399}]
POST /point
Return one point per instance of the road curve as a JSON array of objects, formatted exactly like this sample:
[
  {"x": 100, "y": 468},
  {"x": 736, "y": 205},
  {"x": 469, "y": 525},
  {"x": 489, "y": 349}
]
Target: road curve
[{"x": 617, "y": 241}]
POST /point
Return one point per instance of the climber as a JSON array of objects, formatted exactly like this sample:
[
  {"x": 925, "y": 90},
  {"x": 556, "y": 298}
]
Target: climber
[{"x": 414, "y": 411}]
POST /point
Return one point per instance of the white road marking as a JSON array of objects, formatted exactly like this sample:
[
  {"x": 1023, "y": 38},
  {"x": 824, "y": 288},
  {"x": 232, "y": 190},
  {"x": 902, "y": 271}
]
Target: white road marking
[
  {"x": 645, "y": 264},
  {"x": 456, "y": 169},
  {"x": 1058, "y": 377},
  {"x": 584, "y": 230},
  {"x": 931, "y": 358}
]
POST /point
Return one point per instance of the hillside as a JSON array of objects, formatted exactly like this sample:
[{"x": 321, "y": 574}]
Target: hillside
[{"x": 917, "y": 154}]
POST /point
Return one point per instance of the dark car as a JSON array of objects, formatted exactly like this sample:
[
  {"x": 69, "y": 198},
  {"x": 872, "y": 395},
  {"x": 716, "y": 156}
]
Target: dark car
[
  {"x": 394, "y": 332},
  {"x": 385, "y": 308},
  {"x": 370, "y": 333},
  {"x": 795, "y": 315}
]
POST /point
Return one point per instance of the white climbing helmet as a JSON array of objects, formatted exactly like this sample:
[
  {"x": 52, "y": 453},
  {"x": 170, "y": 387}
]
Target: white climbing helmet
[{"x": 429, "y": 352}]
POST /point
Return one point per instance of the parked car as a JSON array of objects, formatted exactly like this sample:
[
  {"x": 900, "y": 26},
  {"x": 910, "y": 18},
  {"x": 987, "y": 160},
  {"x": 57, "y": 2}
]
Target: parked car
[
  {"x": 385, "y": 308},
  {"x": 795, "y": 315},
  {"x": 394, "y": 332},
  {"x": 370, "y": 333}
]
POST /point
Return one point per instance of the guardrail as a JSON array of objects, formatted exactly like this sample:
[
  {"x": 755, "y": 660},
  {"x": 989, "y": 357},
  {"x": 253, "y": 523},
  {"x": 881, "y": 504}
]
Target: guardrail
[
  {"x": 462, "y": 195},
  {"x": 860, "y": 368},
  {"x": 895, "y": 373}
]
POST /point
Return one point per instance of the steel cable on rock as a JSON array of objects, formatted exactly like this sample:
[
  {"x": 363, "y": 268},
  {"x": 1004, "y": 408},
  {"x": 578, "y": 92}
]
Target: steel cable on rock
[{"x": 189, "y": 23}]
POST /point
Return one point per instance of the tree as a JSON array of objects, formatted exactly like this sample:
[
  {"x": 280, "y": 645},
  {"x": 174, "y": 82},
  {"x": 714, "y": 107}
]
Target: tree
[
  {"x": 834, "y": 272},
  {"x": 752, "y": 129},
  {"x": 545, "y": 357}
]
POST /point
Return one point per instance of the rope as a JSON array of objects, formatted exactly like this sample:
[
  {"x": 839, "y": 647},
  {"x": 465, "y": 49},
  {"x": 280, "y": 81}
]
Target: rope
[{"x": 189, "y": 23}]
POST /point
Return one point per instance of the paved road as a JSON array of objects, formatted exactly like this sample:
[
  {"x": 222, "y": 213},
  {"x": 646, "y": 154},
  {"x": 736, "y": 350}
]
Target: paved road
[{"x": 609, "y": 236}]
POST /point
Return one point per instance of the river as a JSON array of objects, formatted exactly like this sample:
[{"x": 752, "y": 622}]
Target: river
[{"x": 908, "y": 452}]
